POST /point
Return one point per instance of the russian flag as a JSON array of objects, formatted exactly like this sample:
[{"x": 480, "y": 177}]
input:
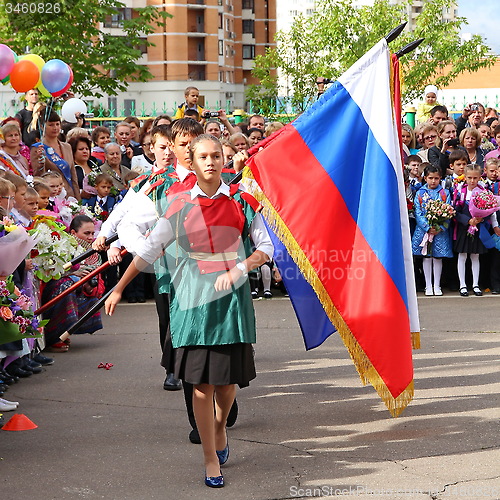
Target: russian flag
[{"x": 332, "y": 188}]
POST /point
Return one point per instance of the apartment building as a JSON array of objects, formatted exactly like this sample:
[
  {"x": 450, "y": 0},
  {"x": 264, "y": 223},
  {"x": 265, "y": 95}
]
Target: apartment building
[{"x": 209, "y": 44}]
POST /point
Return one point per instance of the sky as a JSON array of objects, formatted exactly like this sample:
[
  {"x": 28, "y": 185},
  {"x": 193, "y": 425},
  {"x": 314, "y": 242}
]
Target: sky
[{"x": 484, "y": 20}]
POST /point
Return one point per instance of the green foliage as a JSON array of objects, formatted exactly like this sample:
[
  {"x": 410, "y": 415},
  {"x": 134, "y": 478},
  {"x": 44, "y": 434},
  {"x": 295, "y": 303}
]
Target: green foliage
[
  {"x": 338, "y": 34},
  {"x": 99, "y": 60}
]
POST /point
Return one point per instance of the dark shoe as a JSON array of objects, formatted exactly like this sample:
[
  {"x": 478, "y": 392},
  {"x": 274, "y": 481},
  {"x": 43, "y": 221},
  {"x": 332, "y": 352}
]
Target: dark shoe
[
  {"x": 495, "y": 292},
  {"x": 233, "y": 414},
  {"x": 7, "y": 378},
  {"x": 194, "y": 437},
  {"x": 141, "y": 300},
  {"x": 16, "y": 371},
  {"x": 43, "y": 360},
  {"x": 215, "y": 482},
  {"x": 255, "y": 295},
  {"x": 132, "y": 300},
  {"x": 477, "y": 291},
  {"x": 464, "y": 292},
  {"x": 223, "y": 455},
  {"x": 171, "y": 383},
  {"x": 32, "y": 366},
  {"x": 268, "y": 294}
]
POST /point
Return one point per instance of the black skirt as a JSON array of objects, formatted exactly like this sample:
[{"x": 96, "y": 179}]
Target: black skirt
[
  {"x": 465, "y": 243},
  {"x": 216, "y": 365}
]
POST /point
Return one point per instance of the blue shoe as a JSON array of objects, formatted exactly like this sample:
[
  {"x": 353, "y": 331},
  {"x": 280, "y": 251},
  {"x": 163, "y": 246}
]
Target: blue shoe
[
  {"x": 223, "y": 455},
  {"x": 215, "y": 482}
]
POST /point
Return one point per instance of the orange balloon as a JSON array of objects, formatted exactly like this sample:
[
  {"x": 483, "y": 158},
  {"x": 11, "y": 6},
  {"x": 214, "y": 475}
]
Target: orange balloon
[{"x": 24, "y": 76}]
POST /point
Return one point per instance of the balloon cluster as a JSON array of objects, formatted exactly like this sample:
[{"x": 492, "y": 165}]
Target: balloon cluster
[{"x": 51, "y": 78}]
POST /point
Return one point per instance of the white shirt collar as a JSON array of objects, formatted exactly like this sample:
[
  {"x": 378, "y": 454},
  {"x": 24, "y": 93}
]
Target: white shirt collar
[
  {"x": 182, "y": 172},
  {"x": 99, "y": 199},
  {"x": 197, "y": 191}
]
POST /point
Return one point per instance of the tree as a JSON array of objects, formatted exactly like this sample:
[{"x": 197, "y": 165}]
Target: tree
[
  {"x": 69, "y": 30},
  {"x": 338, "y": 33}
]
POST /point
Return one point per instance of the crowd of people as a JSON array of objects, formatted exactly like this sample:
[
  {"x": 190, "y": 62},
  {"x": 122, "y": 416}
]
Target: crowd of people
[
  {"x": 138, "y": 179},
  {"x": 453, "y": 161}
]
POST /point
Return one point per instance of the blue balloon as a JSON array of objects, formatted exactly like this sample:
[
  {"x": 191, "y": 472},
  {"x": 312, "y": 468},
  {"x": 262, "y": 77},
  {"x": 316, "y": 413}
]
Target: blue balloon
[{"x": 55, "y": 75}]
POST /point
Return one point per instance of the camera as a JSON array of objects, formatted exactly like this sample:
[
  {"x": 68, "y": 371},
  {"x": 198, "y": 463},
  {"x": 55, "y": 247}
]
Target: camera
[
  {"x": 453, "y": 142},
  {"x": 94, "y": 281},
  {"x": 474, "y": 107},
  {"x": 210, "y": 114}
]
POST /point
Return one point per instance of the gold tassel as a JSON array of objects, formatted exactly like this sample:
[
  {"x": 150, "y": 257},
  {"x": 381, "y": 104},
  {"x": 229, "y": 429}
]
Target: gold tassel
[
  {"x": 366, "y": 370},
  {"x": 415, "y": 340}
]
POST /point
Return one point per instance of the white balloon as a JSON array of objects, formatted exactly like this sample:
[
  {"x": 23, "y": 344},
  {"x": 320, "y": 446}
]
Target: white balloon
[{"x": 71, "y": 107}]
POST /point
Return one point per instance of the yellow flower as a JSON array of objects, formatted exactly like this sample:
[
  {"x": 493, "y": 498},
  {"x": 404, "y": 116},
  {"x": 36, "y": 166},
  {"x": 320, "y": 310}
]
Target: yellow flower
[{"x": 10, "y": 228}]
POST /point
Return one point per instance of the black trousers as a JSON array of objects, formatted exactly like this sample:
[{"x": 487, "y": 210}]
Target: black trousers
[{"x": 168, "y": 352}]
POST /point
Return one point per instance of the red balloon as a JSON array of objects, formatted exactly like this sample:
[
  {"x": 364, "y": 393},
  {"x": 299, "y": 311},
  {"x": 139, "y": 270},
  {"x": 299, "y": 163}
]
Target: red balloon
[
  {"x": 24, "y": 76},
  {"x": 67, "y": 86}
]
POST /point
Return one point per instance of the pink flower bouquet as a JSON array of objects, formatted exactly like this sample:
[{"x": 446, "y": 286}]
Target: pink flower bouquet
[
  {"x": 483, "y": 204},
  {"x": 15, "y": 245}
]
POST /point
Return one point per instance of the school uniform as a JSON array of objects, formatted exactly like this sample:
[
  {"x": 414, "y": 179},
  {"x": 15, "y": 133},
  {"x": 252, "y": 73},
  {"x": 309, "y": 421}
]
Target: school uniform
[
  {"x": 441, "y": 244},
  {"x": 211, "y": 331},
  {"x": 105, "y": 204},
  {"x": 464, "y": 241}
]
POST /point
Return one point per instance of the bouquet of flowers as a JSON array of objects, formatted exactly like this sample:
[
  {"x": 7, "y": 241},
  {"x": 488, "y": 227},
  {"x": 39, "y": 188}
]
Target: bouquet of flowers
[
  {"x": 15, "y": 244},
  {"x": 16, "y": 314},
  {"x": 482, "y": 204},
  {"x": 67, "y": 209},
  {"x": 54, "y": 248},
  {"x": 437, "y": 213}
]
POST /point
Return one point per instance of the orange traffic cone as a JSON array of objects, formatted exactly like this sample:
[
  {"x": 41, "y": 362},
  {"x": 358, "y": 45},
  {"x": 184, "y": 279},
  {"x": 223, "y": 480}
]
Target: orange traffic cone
[{"x": 19, "y": 422}]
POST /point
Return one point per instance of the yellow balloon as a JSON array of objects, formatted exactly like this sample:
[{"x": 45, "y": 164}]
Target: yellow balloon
[{"x": 39, "y": 63}]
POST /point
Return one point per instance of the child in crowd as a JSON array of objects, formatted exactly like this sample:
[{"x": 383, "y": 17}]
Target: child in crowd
[
  {"x": 430, "y": 101},
  {"x": 191, "y": 94},
  {"x": 129, "y": 176},
  {"x": 272, "y": 127},
  {"x": 43, "y": 194},
  {"x": 229, "y": 150},
  {"x": 438, "y": 239},
  {"x": 192, "y": 113},
  {"x": 465, "y": 242},
  {"x": 21, "y": 187},
  {"x": 485, "y": 132},
  {"x": 7, "y": 195},
  {"x": 414, "y": 166},
  {"x": 490, "y": 173},
  {"x": 103, "y": 199},
  {"x": 55, "y": 182},
  {"x": 100, "y": 137},
  {"x": 255, "y": 135},
  {"x": 458, "y": 162},
  {"x": 30, "y": 207}
]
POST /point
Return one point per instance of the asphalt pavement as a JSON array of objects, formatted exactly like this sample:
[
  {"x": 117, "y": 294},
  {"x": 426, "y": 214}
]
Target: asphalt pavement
[{"x": 307, "y": 427}]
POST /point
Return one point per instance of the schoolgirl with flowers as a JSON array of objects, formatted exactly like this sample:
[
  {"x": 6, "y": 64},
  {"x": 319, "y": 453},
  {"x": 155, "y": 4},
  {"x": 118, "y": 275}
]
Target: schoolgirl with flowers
[
  {"x": 471, "y": 232},
  {"x": 431, "y": 238}
]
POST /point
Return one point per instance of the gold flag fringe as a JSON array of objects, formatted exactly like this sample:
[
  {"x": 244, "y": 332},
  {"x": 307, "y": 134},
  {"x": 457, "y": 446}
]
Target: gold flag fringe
[
  {"x": 365, "y": 368},
  {"x": 415, "y": 340}
]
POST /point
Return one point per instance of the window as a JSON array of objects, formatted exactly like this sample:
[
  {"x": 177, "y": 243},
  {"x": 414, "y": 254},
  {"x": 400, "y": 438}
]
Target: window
[
  {"x": 248, "y": 26},
  {"x": 221, "y": 22},
  {"x": 221, "y": 47},
  {"x": 129, "y": 105},
  {"x": 116, "y": 20},
  {"x": 248, "y": 51},
  {"x": 248, "y": 4}
]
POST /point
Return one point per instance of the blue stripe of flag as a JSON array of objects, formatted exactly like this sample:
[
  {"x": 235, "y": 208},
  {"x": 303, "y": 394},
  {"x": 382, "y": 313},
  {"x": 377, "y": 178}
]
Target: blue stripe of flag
[{"x": 362, "y": 172}]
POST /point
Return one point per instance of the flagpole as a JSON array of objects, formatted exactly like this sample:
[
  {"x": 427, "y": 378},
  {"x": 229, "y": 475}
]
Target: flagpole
[{"x": 73, "y": 287}]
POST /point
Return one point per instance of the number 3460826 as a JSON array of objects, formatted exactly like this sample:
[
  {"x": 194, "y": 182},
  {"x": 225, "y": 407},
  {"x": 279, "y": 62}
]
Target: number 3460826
[{"x": 12, "y": 7}]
